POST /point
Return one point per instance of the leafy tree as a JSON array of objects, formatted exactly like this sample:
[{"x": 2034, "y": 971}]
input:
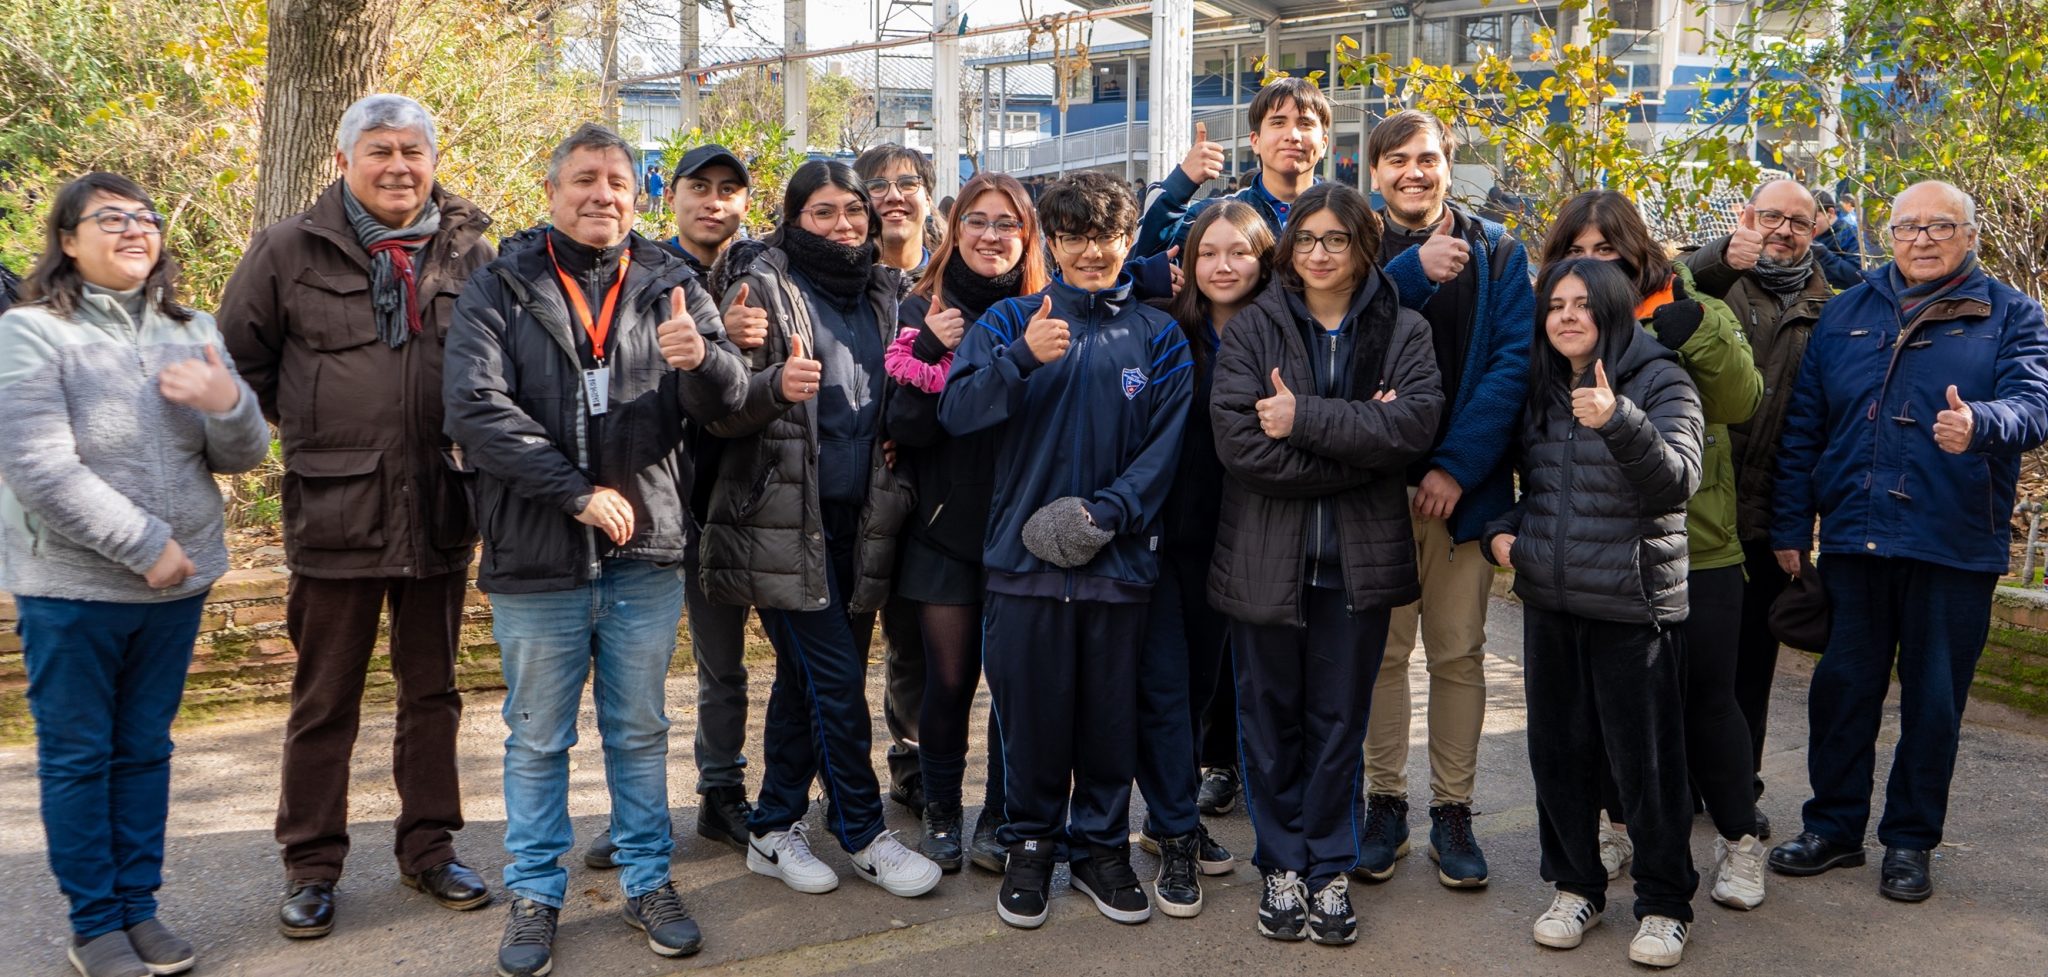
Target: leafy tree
[{"x": 764, "y": 146}]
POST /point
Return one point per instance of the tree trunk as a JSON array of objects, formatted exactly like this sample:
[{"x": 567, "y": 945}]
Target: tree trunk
[
  {"x": 323, "y": 55},
  {"x": 609, "y": 27}
]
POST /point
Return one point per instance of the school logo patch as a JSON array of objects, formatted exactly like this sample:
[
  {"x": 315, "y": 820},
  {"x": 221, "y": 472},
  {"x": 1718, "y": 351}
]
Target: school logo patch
[{"x": 1134, "y": 381}]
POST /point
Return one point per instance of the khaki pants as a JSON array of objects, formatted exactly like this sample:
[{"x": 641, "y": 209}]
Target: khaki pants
[{"x": 1452, "y": 615}]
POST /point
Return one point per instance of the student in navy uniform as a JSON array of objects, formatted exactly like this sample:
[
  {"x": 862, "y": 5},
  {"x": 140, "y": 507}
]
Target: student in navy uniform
[
  {"x": 1229, "y": 259},
  {"x": 1314, "y": 547},
  {"x": 1290, "y": 132},
  {"x": 1087, "y": 391},
  {"x": 992, "y": 250}
]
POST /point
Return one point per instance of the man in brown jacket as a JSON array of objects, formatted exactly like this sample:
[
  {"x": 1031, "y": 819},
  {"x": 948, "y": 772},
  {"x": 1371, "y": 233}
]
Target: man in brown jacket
[
  {"x": 337, "y": 317},
  {"x": 1768, "y": 272}
]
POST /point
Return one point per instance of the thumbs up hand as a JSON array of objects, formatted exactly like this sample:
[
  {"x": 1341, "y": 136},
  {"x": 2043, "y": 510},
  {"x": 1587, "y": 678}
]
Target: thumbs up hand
[
  {"x": 800, "y": 374},
  {"x": 1594, "y": 405},
  {"x": 1954, "y": 427},
  {"x": 945, "y": 323},
  {"x": 681, "y": 344},
  {"x": 1276, "y": 413},
  {"x": 1445, "y": 254},
  {"x": 745, "y": 325},
  {"x": 1745, "y": 242},
  {"x": 1047, "y": 336},
  {"x": 200, "y": 384},
  {"x": 1204, "y": 161}
]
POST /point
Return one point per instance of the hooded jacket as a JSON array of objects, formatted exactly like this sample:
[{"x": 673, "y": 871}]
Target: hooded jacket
[
  {"x": 1717, "y": 357},
  {"x": 1600, "y": 527},
  {"x": 1778, "y": 334},
  {"x": 371, "y": 488},
  {"x": 1103, "y": 422},
  {"x": 516, "y": 406},
  {"x": 1858, "y": 448},
  {"x": 1343, "y": 469},
  {"x": 764, "y": 540}
]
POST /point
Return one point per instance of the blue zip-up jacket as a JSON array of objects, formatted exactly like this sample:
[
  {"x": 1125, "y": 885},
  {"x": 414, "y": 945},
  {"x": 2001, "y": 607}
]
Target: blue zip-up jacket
[
  {"x": 1494, "y": 381},
  {"x": 1103, "y": 422},
  {"x": 1166, "y": 223},
  {"x": 1858, "y": 447}
]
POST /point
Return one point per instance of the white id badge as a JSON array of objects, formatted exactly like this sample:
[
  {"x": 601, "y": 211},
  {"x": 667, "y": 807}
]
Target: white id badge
[{"x": 597, "y": 389}]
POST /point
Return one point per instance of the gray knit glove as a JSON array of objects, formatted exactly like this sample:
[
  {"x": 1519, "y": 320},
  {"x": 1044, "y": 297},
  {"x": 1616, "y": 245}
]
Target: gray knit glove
[{"x": 1061, "y": 533}]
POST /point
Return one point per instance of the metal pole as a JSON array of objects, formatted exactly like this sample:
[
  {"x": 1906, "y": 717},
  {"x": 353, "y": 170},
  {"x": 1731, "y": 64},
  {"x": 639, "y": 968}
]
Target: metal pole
[
  {"x": 1131, "y": 115},
  {"x": 981, "y": 158},
  {"x": 946, "y": 99},
  {"x": 796, "y": 78},
  {"x": 686, "y": 84},
  {"x": 1173, "y": 93}
]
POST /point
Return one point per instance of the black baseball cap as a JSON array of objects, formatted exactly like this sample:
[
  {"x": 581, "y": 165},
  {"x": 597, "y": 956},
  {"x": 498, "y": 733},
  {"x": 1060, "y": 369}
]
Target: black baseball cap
[{"x": 710, "y": 154}]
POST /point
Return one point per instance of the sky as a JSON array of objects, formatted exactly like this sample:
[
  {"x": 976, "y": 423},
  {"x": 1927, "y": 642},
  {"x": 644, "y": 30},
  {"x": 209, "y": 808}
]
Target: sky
[{"x": 838, "y": 22}]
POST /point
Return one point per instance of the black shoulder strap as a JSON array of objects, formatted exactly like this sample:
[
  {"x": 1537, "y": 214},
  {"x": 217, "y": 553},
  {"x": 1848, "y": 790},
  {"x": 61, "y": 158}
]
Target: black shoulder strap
[{"x": 1501, "y": 247}]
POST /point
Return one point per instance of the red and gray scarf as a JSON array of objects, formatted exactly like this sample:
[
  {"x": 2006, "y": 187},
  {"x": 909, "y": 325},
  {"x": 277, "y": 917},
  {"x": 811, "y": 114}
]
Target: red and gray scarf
[{"x": 394, "y": 283}]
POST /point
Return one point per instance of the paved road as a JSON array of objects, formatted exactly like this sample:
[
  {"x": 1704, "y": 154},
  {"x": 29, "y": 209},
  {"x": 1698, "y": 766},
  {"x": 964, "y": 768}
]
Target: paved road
[{"x": 1989, "y": 918}]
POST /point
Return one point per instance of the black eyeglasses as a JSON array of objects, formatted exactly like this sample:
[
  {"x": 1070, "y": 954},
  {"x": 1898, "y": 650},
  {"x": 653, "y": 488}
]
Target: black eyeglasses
[
  {"x": 906, "y": 184},
  {"x": 1771, "y": 220},
  {"x": 112, "y": 221},
  {"x": 1004, "y": 227},
  {"x": 828, "y": 216},
  {"x": 1940, "y": 231},
  {"x": 1333, "y": 242},
  {"x": 1076, "y": 245}
]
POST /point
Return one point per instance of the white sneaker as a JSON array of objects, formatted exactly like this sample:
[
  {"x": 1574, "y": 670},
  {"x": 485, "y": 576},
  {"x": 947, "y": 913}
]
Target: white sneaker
[
  {"x": 1565, "y": 923},
  {"x": 1659, "y": 942},
  {"x": 1616, "y": 851},
  {"x": 887, "y": 863},
  {"x": 1739, "y": 872},
  {"x": 786, "y": 855}
]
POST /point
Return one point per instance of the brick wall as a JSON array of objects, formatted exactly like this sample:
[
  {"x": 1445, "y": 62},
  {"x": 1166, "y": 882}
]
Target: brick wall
[{"x": 243, "y": 658}]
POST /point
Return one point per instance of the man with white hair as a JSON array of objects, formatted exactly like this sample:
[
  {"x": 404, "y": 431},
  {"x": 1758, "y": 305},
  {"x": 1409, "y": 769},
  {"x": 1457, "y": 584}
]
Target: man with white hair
[
  {"x": 336, "y": 317},
  {"x": 1918, "y": 393}
]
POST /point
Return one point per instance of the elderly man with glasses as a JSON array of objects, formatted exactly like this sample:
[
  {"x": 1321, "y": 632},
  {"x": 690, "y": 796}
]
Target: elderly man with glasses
[{"x": 1918, "y": 393}]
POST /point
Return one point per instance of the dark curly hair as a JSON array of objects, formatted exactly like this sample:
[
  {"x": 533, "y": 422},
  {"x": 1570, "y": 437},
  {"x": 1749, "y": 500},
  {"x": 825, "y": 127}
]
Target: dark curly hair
[{"x": 1088, "y": 203}]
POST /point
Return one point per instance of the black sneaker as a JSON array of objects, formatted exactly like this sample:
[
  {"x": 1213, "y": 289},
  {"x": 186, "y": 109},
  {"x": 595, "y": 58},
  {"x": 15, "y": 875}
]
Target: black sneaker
[
  {"x": 1330, "y": 919},
  {"x": 1106, "y": 877},
  {"x": 984, "y": 850},
  {"x": 1179, "y": 885},
  {"x": 1763, "y": 826},
  {"x": 602, "y": 855},
  {"x": 1026, "y": 894},
  {"x": 1385, "y": 839},
  {"x": 1218, "y": 794},
  {"x": 1459, "y": 862},
  {"x": 660, "y": 914},
  {"x": 528, "y": 947},
  {"x": 909, "y": 792},
  {"x": 1210, "y": 855},
  {"x": 722, "y": 814},
  {"x": 941, "y": 841},
  {"x": 1283, "y": 907}
]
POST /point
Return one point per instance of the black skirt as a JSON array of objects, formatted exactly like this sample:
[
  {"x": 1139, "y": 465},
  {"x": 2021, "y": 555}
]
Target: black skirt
[{"x": 928, "y": 576}]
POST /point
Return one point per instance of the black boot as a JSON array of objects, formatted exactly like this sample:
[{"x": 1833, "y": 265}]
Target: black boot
[
  {"x": 307, "y": 911},
  {"x": 941, "y": 841},
  {"x": 1906, "y": 875},
  {"x": 722, "y": 816},
  {"x": 1811, "y": 854}
]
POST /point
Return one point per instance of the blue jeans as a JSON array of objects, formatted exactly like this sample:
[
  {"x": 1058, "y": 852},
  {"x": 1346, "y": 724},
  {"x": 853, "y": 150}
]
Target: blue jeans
[
  {"x": 1929, "y": 620},
  {"x": 625, "y": 622},
  {"x": 104, "y": 681}
]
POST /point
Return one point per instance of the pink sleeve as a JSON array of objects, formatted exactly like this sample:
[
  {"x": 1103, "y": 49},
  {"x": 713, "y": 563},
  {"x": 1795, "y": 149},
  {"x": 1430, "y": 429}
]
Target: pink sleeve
[{"x": 905, "y": 368}]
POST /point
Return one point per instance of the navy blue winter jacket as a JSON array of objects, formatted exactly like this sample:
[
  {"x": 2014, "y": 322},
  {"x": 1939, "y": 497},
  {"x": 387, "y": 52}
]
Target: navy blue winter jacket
[
  {"x": 1494, "y": 382},
  {"x": 1102, "y": 422},
  {"x": 1166, "y": 223},
  {"x": 1858, "y": 448}
]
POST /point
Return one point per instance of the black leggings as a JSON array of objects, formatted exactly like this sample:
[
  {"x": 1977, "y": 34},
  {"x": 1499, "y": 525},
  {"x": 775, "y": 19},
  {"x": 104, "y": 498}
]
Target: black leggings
[
  {"x": 1717, "y": 745},
  {"x": 952, "y": 668}
]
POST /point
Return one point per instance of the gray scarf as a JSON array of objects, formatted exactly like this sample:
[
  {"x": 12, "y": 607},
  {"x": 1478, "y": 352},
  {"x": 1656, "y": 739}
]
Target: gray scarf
[
  {"x": 394, "y": 286},
  {"x": 1784, "y": 281}
]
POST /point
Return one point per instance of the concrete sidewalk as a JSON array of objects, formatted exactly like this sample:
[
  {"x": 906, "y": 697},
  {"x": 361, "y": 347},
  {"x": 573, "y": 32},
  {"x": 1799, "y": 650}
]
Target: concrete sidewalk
[{"x": 1989, "y": 916}]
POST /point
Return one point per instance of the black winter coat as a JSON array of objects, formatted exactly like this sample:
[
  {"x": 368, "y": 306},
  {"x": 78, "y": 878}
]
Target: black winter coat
[
  {"x": 764, "y": 542},
  {"x": 1350, "y": 453},
  {"x": 1600, "y": 526},
  {"x": 953, "y": 478},
  {"x": 513, "y": 392}
]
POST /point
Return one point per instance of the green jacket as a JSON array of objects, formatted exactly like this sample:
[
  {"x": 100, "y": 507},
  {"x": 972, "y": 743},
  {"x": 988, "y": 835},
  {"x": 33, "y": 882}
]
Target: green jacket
[{"x": 1717, "y": 357}]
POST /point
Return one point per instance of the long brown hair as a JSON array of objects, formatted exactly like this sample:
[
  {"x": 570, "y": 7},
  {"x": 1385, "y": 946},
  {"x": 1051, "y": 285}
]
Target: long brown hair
[
  {"x": 55, "y": 283},
  {"x": 1033, "y": 261},
  {"x": 1191, "y": 308},
  {"x": 1644, "y": 260}
]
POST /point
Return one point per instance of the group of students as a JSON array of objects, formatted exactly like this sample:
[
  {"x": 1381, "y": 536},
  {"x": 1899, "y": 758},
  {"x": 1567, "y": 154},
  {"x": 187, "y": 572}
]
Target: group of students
[{"x": 1197, "y": 475}]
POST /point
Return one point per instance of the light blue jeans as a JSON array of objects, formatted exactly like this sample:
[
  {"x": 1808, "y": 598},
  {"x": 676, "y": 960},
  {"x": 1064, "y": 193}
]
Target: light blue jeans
[{"x": 624, "y": 622}]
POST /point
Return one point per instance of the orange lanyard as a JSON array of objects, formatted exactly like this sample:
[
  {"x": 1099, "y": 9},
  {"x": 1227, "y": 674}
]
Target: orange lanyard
[{"x": 602, "y": 328}]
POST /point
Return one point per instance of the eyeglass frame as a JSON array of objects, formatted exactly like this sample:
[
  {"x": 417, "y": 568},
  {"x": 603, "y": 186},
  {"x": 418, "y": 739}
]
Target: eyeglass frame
[
  {"x": 1771, "y": 220},
  {"x": 829, "y": 216},
  {"x": 1928, "y": 230},
  {"x": 1060, "y": 245},
  {"x": 904, "y": 185},
  {"x": 149, "y": 221},
  {"x": 988, "y": 226},
  {"x": 1294, "y": 242}
]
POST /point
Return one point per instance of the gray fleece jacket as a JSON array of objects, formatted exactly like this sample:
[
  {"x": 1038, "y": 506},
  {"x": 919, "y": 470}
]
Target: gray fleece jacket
[{"x": 100, "y": 471}]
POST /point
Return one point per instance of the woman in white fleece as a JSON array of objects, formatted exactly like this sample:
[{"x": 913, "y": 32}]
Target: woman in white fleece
[{"x": 117, "y": 408}]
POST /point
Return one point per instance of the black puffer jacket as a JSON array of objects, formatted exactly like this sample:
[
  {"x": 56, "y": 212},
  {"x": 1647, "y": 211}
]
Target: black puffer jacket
[
  {"x": 953, "y": 478},
  {"x": 1600, "y": 527},
  {"x": 1346, "y": 457},
  {"x": 513, "y": 392},
  {"x": 764, "y": 541}
]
